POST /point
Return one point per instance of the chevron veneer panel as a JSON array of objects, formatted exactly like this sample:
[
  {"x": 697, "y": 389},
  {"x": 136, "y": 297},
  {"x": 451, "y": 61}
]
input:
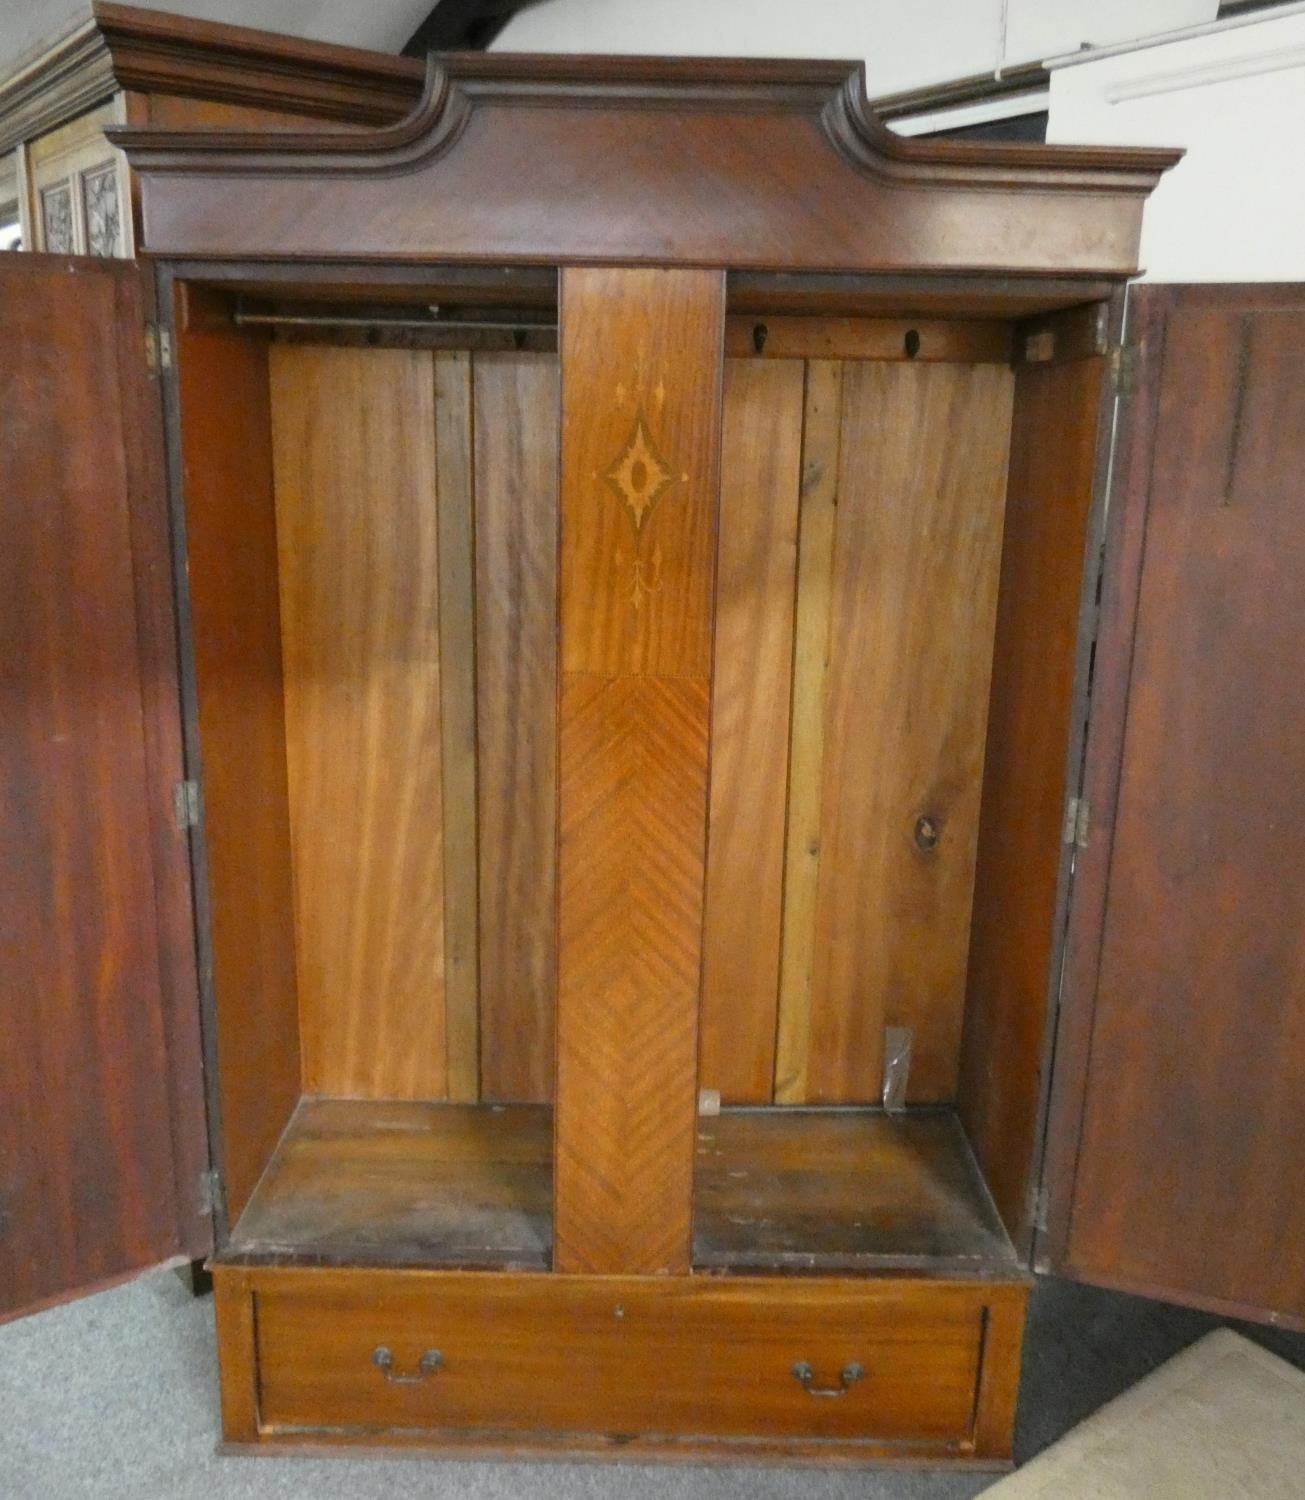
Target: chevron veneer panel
[{"x": 641, "y": 374}]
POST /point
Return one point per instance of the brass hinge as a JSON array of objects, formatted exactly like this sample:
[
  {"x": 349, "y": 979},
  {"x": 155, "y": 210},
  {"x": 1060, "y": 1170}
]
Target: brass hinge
[
  {"x": 1078, "y": 815},
  {"x": 185, "y": 804},
  {"x": 210, "y": 1192},
  {"x": 158, "y": 350},
  {"x": 1124, "y": 360}
]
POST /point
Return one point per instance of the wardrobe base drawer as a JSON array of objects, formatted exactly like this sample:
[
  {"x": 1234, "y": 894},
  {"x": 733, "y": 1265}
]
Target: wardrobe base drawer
[{"x": 900, "y": 1368}]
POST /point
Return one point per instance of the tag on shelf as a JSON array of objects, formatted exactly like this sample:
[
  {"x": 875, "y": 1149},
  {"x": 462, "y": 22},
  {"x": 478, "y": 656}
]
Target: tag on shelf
[{"x": 897, "y": 1066}]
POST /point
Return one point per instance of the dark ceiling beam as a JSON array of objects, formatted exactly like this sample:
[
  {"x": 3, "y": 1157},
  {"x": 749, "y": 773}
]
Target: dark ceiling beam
[{"x": 462, "y": 26}]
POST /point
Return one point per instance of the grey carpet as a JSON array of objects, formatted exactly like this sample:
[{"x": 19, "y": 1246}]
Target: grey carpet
[{"x": 114, "y": 1398}]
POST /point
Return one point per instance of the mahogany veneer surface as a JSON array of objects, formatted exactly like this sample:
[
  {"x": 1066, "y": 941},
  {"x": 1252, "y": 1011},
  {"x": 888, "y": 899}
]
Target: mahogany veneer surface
[
  {"x": 398, "y": 1183},
  {"x": 402, "y": 1183},
  {"x": 826, "y": 1191}
]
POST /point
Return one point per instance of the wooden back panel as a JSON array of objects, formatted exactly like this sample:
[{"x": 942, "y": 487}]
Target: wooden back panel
[
  {"x": 416, "y": 507},
  {"x": 354, "y": 447},
  {"x": 861, "y": 526}
]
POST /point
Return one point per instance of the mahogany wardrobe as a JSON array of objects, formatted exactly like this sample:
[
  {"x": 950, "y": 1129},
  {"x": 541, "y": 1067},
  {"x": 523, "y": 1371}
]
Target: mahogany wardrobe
[{"x": 652, "y": 745}]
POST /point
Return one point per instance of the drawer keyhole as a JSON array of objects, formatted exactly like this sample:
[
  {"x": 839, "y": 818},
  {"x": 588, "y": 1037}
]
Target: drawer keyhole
[
  {"x": 427, "y": 1365},
  {"x": 806, "y": 1378}
]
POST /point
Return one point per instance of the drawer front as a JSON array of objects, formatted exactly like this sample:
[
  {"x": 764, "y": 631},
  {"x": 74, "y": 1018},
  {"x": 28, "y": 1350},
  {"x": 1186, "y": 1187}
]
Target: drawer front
[{"x": 618, "y": 1358}]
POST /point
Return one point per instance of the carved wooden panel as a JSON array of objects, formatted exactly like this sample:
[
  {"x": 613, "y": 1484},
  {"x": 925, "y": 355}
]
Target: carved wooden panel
[{"x": 641, "y": 371}]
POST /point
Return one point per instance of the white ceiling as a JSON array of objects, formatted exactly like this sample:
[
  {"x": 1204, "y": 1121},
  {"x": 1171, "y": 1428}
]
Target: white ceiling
[
  {"x": 26, "y": 26},
  {"x": 905, "y": 42}
]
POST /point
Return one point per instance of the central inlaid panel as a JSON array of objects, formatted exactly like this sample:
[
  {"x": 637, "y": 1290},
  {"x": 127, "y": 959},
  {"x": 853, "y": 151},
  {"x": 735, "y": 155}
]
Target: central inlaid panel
[{"x": 641, "y": 372}]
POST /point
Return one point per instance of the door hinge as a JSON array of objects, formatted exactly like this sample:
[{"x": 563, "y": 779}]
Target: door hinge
[
  {"x": 209, "y": 1192},
  {"x": 158, "y": 349},
  {"x": 1124, "y": 361},
  {"x": 185, "y": 804},
  {"x": 1078, "y": 815}
]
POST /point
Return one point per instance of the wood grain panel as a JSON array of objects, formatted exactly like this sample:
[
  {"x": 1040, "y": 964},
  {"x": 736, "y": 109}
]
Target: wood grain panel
[
  {"x": 1192, "y": 1115},
  {"x": 87, "y": 1162},
  {"x": 1052, "y": 473},
  {"x": 963, "y": 341},
  {"x": 923, "y": 467},
  {"x": 641, "y": 372},
  {"x": 361, "y": 1182},
  {"x": 821, "y": 433},
  {"x": 665, "y": 161},
  {"x": 640, "y": 412},
  {"x": 761, "y": 440},
  {"x": 816, "y": 1192},
  {"x": 456, "y": 520},
  {"x": 354, "y": 444},
  {"x": 231, "y": 574},
  {"x": 516, "y": 417},
  {"x": 623, "y": 1358}
]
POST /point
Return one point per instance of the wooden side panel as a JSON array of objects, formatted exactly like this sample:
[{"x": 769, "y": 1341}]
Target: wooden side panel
[
  {"x": 1191, "y": 1107},
  {"x": 516, "y": 414},
  {"x": 456, "y": 519},
  {"x": 354, "y": 443},
  {"x": 226, "y": 452},
  {"x": 641, "y": 375},
  {"x": 761, "y": 442},
  {"x": 922, "y": 481},
  {"x": 88, "y": 1179},
  {"x": 1053, "y": 466}
]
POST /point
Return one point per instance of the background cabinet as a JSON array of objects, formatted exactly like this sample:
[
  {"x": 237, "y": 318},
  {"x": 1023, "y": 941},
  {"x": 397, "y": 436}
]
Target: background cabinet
[{"x": 611, "y": 668}]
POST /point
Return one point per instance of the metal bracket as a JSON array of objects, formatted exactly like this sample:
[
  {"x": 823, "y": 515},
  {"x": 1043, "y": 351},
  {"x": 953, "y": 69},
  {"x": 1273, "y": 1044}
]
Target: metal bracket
[
  {"x": 209, "y": 1192},
  {"x": 1124, "y": 360},
  {"x": 185, "y": 804},
  {"x": 1078, "y": 817},
  {"x": 158, "y": 350}
]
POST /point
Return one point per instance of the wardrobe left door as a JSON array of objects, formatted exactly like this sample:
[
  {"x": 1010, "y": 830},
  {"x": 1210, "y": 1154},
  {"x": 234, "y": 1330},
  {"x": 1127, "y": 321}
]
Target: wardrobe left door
[{"x": 103, "y": 1146}]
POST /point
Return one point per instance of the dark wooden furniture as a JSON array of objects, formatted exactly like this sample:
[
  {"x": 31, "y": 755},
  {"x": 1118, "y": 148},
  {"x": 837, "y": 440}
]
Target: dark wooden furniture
[
  {"x": 68, "y": 190},
  {"x": 730, "y": 701}
]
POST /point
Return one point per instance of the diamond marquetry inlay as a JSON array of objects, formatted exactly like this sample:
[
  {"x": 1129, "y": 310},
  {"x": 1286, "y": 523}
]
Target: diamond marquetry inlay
[{"x": 640, "y": 476}]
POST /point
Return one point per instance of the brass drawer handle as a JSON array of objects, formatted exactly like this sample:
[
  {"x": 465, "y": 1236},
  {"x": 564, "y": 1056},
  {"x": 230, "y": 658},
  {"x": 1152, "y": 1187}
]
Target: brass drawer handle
[
  {"x": 847, "y": 1378},
  {"x": 384, "y": 1362}
]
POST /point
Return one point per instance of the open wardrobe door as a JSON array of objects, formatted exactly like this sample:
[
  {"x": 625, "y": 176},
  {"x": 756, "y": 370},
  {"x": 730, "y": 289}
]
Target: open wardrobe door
[
  {"x": 102, "y": 1132},
  {"x": 1177, "y": 1113}
]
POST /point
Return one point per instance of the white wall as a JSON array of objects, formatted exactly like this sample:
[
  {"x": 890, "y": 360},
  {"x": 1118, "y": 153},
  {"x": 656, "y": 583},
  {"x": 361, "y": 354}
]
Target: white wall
[
  {"x": 27, "y": 27},
  {"x": 1234, "y": 208},
  {"x": 905, "y": 43}
]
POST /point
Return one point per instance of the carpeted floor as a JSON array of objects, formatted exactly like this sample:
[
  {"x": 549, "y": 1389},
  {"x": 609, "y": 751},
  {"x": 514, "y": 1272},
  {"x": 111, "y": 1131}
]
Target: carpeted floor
[{"x": 115, "y": 1398}]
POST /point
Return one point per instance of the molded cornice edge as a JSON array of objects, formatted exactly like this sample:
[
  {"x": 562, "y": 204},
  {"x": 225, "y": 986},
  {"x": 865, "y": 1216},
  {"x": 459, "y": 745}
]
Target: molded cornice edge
[
  {"x": 123, "y": 47},
  {"x": 832, "y": 92}
]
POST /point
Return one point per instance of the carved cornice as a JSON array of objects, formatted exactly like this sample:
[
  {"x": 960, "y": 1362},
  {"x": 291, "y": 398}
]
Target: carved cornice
[
  {"x": 852, "y": 124},
  {"x": 833, "y": 92},
  {"x": 750, "y": 164},
  {"x": 122, "y": 47}
]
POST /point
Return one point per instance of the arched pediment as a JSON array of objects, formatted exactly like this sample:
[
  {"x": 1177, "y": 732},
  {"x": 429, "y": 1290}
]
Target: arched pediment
[{"x": 740, "y": 163}]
